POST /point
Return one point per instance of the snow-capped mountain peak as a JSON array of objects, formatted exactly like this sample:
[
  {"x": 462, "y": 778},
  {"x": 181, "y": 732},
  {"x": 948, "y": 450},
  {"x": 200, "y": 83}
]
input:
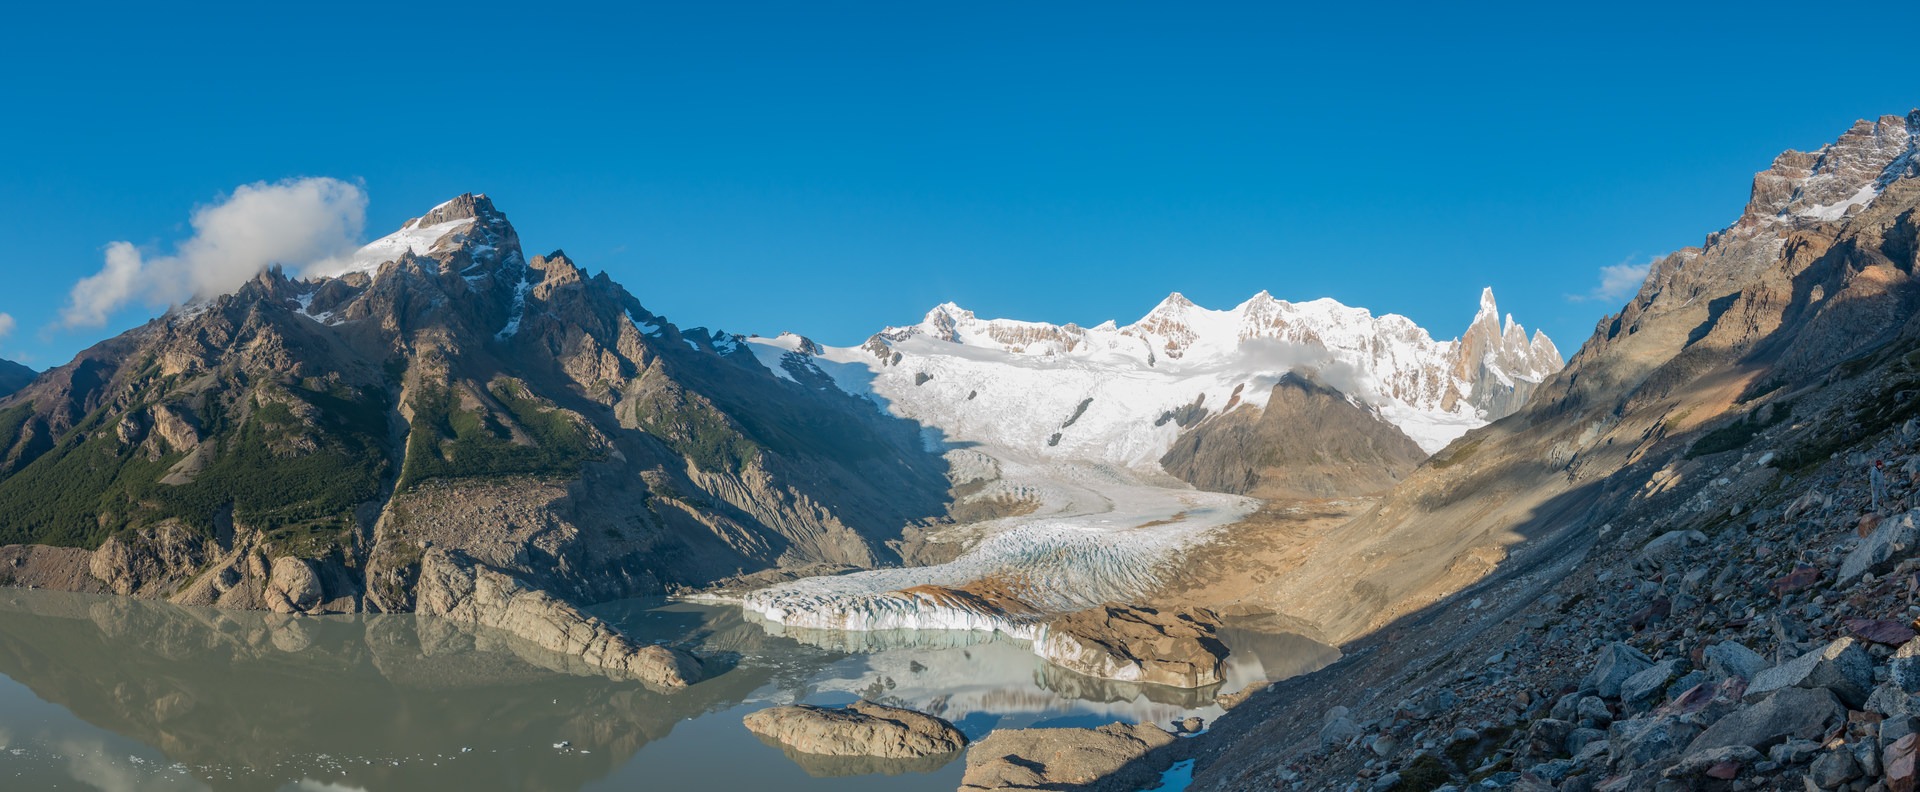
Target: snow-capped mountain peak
[
  {"x": 469, "y": 220},
  {"x": 1110, "y": 392},
  {"x": 1837, "y": 179},
  {"x": 1488, "y": 306}
]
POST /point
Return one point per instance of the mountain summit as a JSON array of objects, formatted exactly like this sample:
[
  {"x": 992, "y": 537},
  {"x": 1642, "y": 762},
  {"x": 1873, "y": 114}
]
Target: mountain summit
[
  {"x": 302, "y": 445},
  {"x": 1838, "y": 179}
]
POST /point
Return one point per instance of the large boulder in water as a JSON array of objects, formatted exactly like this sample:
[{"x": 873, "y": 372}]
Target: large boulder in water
[
  {"x": 454, "y": 586},
  {"x": 1113, "y": 757},
  {"x": 1178, "y": 647},
  {"x": 860, "y": 729}
]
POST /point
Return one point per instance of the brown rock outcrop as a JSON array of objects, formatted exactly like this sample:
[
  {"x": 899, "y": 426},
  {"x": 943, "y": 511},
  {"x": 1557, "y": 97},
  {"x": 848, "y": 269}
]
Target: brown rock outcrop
[
  {"x": 454, "y": 587},
  {"x": 149, "y": 562},
  {"x": 293, "y": 586},
  {"x": 1113, "y": 757},
  {"x": 862, "y": 728},
  {"x": 1177, "y": 647}
]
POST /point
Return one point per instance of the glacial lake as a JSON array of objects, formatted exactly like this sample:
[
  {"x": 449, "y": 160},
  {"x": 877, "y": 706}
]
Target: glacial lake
[{"x": 117, "y": 694}]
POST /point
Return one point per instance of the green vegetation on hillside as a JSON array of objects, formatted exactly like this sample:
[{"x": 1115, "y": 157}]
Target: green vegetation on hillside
[
  {"x": 693, "y": 429},
  {"x": 451, "y": 443},
  {"x": 90, "y": 484}
]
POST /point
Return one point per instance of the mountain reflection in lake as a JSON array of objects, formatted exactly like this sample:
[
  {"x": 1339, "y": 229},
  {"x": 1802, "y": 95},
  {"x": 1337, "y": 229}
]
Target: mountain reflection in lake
[{"x": 117, "y": 694}]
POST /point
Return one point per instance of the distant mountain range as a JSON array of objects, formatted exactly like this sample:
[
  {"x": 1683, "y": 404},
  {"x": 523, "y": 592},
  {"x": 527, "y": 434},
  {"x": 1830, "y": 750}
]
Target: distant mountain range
[{"x": 1122, "y": 394}]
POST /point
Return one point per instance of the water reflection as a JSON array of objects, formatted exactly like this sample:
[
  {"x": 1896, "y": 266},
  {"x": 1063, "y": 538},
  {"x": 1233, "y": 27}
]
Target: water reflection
[
  {"x": 250, "y": 700},
  {"x": 126, "y": 694}
]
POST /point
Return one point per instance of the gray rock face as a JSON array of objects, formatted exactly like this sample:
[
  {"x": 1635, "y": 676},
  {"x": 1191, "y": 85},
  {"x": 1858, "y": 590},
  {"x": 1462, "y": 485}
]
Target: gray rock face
[
  {"x": 1834, "y": 768},
  {"x": 1793, "y": 712},
  {"x": 1548, "y": 738},
  {"x": 1905, "y": 666},
  {"x": 1593, "y": 710},
  {"x": 1092, "y": 760},
  {"x": 1645, "y": 741},
  {"x": 1649, "y": 682},
  {"x": 1566, "y": 707},
  {"x": 1895, "y": 534},
  {"x": 1731, "y": 659},
  {"x": 1842, "y": 666},
  {"x": 454, "y": 587},
  {"x": 1668, "y": 544},
  {"x": 860, "y": 729},
  {"x": 1696, "y": 765},
  {"x": 1337, "y": 728},
  {"x": 1889, "y": 700},
  {"x": 1180, "y": 647},
  {"x": 1617, "y": 662}
]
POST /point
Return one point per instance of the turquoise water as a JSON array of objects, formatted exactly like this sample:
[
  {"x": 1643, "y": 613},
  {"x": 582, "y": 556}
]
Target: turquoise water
[{"x": 115, "y": 694}]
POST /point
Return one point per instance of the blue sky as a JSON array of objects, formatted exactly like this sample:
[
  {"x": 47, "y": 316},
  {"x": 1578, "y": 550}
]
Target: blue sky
[{"x": 832, "y": 168}]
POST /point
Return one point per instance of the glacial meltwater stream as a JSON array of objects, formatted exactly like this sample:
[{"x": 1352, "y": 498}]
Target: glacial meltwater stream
[{"x": 117, "y": 694}]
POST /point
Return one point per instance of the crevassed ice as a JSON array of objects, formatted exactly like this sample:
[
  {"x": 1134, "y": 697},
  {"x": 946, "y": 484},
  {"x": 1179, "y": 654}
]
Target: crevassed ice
[{"x": 1101, "y": 534}]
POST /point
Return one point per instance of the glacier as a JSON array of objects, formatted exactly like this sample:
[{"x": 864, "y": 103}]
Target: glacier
[
  {"x": 1075, "y": 420},
  {"x": 1100, "y": 533}
]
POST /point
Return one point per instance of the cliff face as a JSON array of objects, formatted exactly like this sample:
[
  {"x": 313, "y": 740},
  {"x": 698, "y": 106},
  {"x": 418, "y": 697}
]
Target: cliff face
[{"x": 444, "y": 390}]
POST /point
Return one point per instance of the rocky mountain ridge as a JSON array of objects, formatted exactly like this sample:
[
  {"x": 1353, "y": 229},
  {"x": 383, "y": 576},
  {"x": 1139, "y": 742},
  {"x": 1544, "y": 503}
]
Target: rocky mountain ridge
[
  {"x": 1676, "y": 567},
  {"x": 299, "y": 444}
]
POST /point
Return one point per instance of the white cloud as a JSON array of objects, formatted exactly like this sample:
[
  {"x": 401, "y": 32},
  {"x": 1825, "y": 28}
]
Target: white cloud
[
  {"x": 295, "y": 223},
  {"x": 6, "y": 325},
  {"x": 1617, "y": 282}
]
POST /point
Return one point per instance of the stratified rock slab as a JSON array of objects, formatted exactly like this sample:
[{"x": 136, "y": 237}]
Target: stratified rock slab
[
  {"x": 860, "y": 729},
  {"x": 453, "y": 586},
  {"x": 1178, "y": 647}
]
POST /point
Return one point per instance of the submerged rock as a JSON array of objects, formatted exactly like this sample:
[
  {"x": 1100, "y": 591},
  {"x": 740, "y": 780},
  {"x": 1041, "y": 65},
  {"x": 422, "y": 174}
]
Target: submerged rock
[
  {"x": 1177, "y": 647},
  {"x": 862, "y": 728},
  {"x": 455, "y": 587}
]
